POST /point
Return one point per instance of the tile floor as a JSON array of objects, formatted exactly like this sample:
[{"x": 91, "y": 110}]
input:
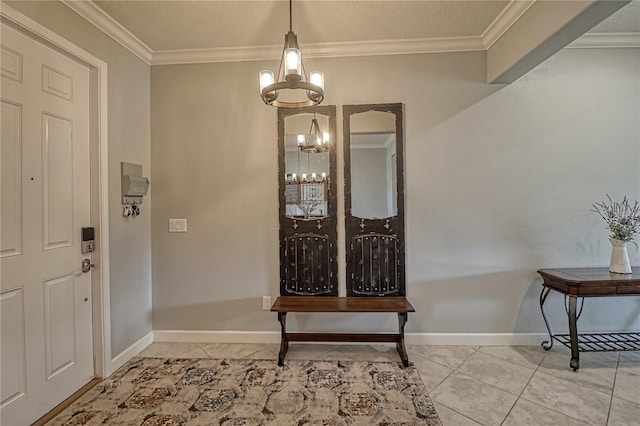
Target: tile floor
[{"x": 511, "y": 386}]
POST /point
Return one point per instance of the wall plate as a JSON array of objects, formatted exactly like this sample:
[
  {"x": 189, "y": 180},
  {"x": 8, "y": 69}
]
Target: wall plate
[{"x": 177, "y": 225}]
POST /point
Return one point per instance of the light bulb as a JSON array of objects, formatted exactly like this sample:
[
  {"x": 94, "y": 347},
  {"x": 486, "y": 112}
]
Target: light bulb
[
  {"x": 317, "y": 78},
  {"x": 266, "y": 79},
  {"x": 300, "y": 140},
  {"x": 293, "y": 61},
  {"x": 325, "y": 137}
]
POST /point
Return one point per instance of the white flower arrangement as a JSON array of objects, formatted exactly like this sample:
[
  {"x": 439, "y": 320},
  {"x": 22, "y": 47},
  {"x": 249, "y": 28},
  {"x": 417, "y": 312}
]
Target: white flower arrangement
[{"x": 623, "y": 220}]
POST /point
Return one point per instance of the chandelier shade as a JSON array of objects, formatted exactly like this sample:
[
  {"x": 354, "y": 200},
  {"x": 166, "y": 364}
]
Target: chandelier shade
[{"x": 292, "y": 77}]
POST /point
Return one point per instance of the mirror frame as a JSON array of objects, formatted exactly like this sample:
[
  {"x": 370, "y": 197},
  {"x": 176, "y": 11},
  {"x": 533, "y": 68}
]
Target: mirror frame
[
  {"x": 313, "y": 231},
  {"x": 389, "y": 232}
]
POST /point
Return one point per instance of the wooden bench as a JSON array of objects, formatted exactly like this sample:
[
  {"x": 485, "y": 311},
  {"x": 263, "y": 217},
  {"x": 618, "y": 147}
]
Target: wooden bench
[{"x": 314, "y": 304}]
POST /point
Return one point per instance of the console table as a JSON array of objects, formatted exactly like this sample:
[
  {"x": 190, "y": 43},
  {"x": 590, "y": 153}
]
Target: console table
[
  {"x": 315, "y": 304},
  {"x": 577, "y": 283}
]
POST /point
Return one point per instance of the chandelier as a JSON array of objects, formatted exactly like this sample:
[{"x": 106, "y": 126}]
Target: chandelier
[
  {"x": 316, "y": 141},
  {"x": 291, "y": 76}
]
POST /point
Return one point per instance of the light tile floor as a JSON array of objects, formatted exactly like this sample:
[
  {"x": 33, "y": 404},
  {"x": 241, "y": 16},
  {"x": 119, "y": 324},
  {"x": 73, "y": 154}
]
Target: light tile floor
[{"x": 490, "y": 385}]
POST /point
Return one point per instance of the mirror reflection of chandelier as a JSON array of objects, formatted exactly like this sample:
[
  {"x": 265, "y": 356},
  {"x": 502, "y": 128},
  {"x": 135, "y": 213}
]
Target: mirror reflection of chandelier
[
  {"x": 308, "y": 192},
  {"x": 291, "y": 76},
  {"x": 314, "y": 142}
]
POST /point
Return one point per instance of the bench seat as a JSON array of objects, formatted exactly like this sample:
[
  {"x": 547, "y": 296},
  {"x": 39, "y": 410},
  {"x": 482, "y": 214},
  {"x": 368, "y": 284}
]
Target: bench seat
[{"x": 322, "y": 304}]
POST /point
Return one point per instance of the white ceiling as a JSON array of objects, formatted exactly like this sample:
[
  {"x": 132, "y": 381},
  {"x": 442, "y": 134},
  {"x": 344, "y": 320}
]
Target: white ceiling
[
  {"x": 187, "y": 31},
  {"x": 168, "y": 25},
  {"x": 214, "y": 24}
]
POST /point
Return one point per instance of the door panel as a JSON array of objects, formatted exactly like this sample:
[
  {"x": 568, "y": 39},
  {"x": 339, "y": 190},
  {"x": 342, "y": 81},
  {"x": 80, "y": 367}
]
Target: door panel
[
  {"x": 57, "y": 183},
  {"x": 309, "y": 267},
  {"x": 59, "y": 324},
  {"x": 11, "y": 64},
  {"x": 14, "y": 369},
  {"x": 375, "y": 267},
  {"x": 45, "y": 150},
  {"x": 57, "y": 83},
  {"x": 11, "y": 152}
]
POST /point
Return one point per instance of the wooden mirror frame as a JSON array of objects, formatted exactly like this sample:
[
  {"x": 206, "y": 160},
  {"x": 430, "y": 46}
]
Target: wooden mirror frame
[
  {"x": 382, "y": 239},
  {"x": 308, "y": 247}
]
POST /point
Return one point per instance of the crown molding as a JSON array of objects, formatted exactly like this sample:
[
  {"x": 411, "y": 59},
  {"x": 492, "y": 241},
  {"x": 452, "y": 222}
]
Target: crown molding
[
  {"x": 604, "y": 40},
  {"x": 509, "y": 15},
  {"x": 320, "y": 50},
  {"x": 104, "y": 22},
  {"x": 367, "y": 146},
  {"x": 221, "y": 54}
]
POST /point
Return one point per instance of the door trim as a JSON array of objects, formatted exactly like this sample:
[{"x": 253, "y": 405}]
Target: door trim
[{"x": 99, "y": 197}]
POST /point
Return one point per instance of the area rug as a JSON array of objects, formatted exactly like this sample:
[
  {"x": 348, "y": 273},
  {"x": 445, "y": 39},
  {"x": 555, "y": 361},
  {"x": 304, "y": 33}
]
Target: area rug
[{"x": 234, "y": 392}]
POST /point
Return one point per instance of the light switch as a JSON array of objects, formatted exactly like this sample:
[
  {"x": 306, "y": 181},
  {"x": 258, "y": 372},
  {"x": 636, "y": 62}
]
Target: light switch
[{"x": 177, "y": 225}]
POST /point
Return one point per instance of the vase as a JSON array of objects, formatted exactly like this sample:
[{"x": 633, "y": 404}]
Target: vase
[{"x": 619, "y": 257}]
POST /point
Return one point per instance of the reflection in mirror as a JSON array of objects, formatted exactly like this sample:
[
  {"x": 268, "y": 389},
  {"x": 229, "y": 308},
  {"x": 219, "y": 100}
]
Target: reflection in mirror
[
  {"x": 306, "y": 139},
  {"x": 373, "y": 165},
  {"x": 307, "y": 201},
  {"x": 374, "y": 199}
]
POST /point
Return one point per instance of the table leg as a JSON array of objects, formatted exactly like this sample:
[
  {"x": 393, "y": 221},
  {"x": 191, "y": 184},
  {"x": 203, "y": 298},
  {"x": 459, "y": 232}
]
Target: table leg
[
  {"x": 547, "y": 344},
  {"x": 284, "y": 342},
  {"x": 573, "y": 333},
  {"x": 402, "y": 320}
]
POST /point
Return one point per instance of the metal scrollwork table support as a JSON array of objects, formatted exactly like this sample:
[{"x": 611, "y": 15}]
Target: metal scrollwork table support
[{"x": 578, "y": 283}]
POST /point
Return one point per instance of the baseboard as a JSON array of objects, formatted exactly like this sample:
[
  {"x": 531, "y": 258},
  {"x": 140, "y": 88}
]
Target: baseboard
[
  {"x": 469, "y": 339},
  {"x": 476, "y": 339},
  {"x": 224, "y": 336},
  {"x": 133, "y": 350}
]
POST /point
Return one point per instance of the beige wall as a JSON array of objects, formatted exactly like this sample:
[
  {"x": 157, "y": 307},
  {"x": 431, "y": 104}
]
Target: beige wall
[
  {"x": 500, "y": 181},
  {"x": 214, "y": 153},
  {"x": 128, "y": 97}
]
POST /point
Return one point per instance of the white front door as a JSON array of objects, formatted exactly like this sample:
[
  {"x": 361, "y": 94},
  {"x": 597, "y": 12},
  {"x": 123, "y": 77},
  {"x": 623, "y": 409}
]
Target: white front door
[{"x": 45, "y": 300}]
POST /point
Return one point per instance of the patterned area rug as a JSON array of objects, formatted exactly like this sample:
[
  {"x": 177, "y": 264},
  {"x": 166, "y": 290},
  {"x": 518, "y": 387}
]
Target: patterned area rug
[{"x": 233, "y": 392}]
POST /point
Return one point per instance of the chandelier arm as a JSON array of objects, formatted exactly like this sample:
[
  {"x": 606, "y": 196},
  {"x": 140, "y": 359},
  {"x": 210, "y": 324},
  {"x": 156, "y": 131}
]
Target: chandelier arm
[
  {"x": 315, "y": 97},
  {"x": 285, "y": 104},
  {"x": 311, "y": 128},
  {"x": 280, "y": 75},
  {"x": 270, "y": 93},
  {"x": 298, "y": 85},
  {"x": 304, "y": 72}
]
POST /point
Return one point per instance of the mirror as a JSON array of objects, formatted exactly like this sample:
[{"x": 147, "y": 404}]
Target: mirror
[
  {"x": 306, "y": 140},
  {"x": 307, "y": 201},
  {"x": 373, "y": 165},
  {"x": 374, "y": 199}
]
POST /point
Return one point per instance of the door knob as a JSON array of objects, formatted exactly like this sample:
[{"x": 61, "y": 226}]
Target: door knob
[{"x": 87, "y": 265}]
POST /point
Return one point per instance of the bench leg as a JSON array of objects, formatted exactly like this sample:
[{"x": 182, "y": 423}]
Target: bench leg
[
  {"x": 573, "y": 334},
  {"x": 402, "y": 320},
  {"x": 284, "y": 342}
]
